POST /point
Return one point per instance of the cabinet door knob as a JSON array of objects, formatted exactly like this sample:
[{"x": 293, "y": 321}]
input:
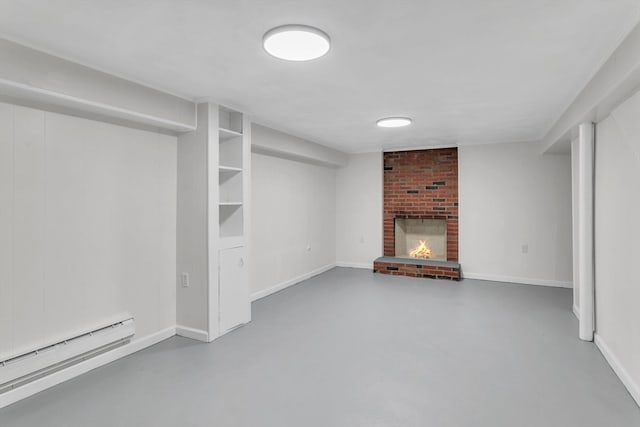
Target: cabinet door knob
[{"x": 241, "y": 262}]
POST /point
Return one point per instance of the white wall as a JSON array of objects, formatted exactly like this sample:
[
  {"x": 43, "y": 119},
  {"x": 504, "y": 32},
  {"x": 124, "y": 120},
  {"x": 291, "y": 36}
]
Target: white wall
[
  {"x": 192, "y": 303},
  {"x": 293, "y": 206},
  {"x": 510, "y": 196},
  {"x": 87, "y": 227},
  {"x": 359, "y": 188},
  {"x": 617, "y": 233}
]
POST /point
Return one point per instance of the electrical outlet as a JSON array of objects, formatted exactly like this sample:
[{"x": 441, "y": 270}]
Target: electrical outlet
[
  {"x": 361, "y": 239},
  {"x": 184, "y": 280},
  {"x": 525, "y": 248}
]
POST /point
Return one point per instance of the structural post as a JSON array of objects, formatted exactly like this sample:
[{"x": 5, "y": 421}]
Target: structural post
[{"x": 585, "y": 152}]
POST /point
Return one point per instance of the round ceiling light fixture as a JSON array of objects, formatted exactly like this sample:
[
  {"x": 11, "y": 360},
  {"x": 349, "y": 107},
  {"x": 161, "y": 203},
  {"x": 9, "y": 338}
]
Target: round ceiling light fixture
[
  {"x": 296, "y": 42},
  {"x": 394, "y": 122}
]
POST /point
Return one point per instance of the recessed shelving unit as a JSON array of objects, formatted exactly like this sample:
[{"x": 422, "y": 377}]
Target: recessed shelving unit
[
  {"x": 231, "y": 177},
  {"x": 230, "y": 249}
]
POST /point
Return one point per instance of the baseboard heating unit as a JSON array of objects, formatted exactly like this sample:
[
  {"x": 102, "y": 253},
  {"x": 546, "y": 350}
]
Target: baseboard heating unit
[{"x": 29, "y": 366}]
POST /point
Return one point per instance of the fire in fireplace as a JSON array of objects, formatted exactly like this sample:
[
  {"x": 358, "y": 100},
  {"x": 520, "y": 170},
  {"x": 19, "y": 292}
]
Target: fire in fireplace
[
  {"x": 423, "y": 238},
  {"x": 421, "y": 251}
]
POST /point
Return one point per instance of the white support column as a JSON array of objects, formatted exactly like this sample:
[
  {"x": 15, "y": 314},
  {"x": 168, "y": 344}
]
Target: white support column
[
  {"x": 574, "y": 225},
  {"x": 585, "y": 251}
]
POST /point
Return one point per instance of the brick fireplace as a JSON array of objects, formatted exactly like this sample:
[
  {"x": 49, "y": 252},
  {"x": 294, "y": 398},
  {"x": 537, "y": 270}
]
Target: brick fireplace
[{"x": 421, "y": 185}]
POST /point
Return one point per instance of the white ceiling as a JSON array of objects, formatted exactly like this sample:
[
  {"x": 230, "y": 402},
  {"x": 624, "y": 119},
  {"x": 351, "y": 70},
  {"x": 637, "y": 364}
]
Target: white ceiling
[{"x": 467, "y": 71}]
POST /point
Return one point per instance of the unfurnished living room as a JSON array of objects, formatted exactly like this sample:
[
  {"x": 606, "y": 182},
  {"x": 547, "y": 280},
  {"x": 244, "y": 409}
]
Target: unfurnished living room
[{"x": 322, "y": 213}]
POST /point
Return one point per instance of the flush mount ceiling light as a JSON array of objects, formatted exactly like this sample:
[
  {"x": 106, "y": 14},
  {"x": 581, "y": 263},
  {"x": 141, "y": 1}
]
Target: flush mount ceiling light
[
  {"x": 394, "y": 122},
  {"x": 296, "y": 42}
]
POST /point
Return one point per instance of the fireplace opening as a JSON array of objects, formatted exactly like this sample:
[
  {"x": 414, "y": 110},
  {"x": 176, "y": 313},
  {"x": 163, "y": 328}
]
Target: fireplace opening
[{"x": 421, "y": 238}]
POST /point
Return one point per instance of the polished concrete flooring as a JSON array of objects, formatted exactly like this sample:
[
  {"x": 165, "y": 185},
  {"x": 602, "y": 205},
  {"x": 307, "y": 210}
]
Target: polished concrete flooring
[{"x": 350, "y": 348}]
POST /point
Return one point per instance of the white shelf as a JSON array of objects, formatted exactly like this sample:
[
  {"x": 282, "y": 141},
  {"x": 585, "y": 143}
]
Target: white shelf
[
  {"x": 229, "y": 169},
  {"x": 227, "y": 134},
  {"x": 230, "y": 203}
]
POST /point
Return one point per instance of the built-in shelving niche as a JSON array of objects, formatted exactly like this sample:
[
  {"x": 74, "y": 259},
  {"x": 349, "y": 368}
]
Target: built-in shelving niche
[
  {"x": 230, "y": 185},
  {"x": 231, "y": 218},
  {"x": 234, "y": 133},
  {"x": 230, "y": 151},
  {"x": 230, "y": 120},
  {"x": 230, "y": 169}
]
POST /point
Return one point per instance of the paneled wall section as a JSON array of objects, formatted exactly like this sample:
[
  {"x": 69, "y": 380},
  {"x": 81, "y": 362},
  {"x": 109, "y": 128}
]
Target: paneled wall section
[{"x": 87, "y": 227}]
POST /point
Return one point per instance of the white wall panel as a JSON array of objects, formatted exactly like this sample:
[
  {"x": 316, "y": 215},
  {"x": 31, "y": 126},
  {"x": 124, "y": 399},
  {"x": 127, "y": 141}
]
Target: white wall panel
[
  {"x": 193, "y": 220},
  {"x": 515, "y": 214},
  {"x": 359, "y": 188},
  {"x": 94, "y": 226},
  {"x": 28, "y": 228},
  {"x": 6, "y": 228},
  {"x": 293, "y": 208},
  {"x": 617, "y": 231},
  {"x": 66, "y": 234}
]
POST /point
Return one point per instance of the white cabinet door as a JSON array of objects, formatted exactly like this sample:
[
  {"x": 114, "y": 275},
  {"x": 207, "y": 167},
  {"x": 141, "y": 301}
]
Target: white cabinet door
[{"x": 235, "y": 306}]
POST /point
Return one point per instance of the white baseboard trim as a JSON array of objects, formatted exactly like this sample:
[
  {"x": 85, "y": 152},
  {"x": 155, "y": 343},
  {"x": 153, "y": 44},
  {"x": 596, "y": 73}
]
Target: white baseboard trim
[
  {"x": 520, "y": 280},
  {"x": 283, "y": 285},
  {"x": 194, "y": 334},
  {"x": 576, "y": 311},
  {"x": 58, "y": 377},
  {"x": 621, "y": 372},
  {"x": 354, "y": 265}
]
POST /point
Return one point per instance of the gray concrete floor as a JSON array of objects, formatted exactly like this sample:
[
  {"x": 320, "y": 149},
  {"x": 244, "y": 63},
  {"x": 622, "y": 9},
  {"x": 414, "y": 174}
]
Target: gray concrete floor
[{"x": 350, "y": 348}]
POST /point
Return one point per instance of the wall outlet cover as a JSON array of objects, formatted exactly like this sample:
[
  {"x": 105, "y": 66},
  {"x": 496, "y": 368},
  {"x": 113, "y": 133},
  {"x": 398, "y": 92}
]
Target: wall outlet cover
[{"x": 184, "y": 280}]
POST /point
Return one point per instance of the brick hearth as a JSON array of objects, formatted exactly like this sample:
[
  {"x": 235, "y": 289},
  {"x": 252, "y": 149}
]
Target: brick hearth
[{"x": 417, "y": 268}]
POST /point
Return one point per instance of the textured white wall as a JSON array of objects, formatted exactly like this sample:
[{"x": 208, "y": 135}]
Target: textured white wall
[
  {"x": 293, "y": 206},
  {"x": 617, "y": 233},
  {"x": 510, "y": 196},
  {"x": 87, "y": 227},
  {"x": 359, "y": 190}
]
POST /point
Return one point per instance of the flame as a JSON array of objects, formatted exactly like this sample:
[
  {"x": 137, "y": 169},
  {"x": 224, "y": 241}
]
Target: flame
[{"x": 421, "y": 251}]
